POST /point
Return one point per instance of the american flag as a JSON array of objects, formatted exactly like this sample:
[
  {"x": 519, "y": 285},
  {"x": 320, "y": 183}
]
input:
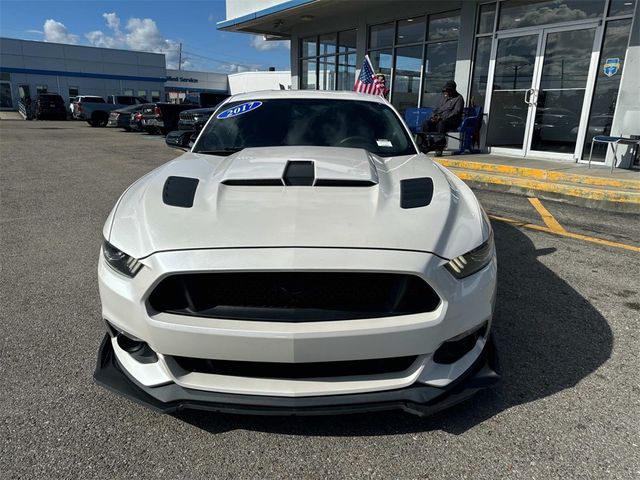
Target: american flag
[{"x": 367, "y": 82}]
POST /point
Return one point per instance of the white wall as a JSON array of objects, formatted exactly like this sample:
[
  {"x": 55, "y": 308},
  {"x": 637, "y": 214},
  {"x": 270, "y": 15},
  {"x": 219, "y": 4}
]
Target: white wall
[
  {"x": 256, "y": 81},
  {"x": 627, "y": 117},
  {"x": 238, "y": 8}
]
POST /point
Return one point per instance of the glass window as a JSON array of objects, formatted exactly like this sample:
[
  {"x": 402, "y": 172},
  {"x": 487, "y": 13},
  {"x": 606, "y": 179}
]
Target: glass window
[
  {"x": 444, "y": 26},
  {"x": 155, "y": 95},
  {"x": 621, "y": 7},
  {"x": 480, "y": 72},
  {"x": 6, "y": 100},
  {"x": 327, "y": 44},
  {"x": 347, "y": 41},
  {"x": 308, "y": 74},
  {"x": 41, "y": 89},
  {"x": 382, "y": 61},
  {"x": 440, "y": 67},
  {"x": 381, "y": 35},
  {"x": 73, "y": 91},
  {"x": 309, "y": 47},
  {"x": 525, "y": 13},
  {"x": 309, "y": 122},
  {"x": 410, "y": 30},
  {"x": 486, "y": 17},
  {"x": 142, "y": 93},
  {"x": 605, "y": 93},
  {"x": 23, "y": 91},
  {"x": 406, "y": 77},
  {"x": 346, "y": 71},
  {"x": 327, "y": 73},
  {"x": 128, "y": 91}
]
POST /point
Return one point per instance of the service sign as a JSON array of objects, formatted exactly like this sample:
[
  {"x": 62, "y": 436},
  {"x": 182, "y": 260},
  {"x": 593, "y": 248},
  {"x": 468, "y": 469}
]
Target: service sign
[
  {"x": 611, "y": 66},
  {"x": 239, "y": 109}
]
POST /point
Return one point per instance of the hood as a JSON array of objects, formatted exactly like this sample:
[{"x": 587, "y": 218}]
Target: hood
[{"x": 296, "y": 197}]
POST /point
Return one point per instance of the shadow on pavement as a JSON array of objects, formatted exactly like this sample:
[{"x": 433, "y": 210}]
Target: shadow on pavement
[{"x": 548, "y": 337}]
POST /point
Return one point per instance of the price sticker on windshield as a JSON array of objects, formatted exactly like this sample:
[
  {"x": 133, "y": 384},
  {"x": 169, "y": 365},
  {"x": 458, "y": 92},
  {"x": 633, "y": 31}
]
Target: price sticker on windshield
[{"x": 239, "y": 109}]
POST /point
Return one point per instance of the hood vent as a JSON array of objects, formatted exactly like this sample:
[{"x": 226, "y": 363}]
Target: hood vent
[
  {"x": 179, "y": 191},
  {"x": 299, "y": 174},
  {"x": 254, "y": 182},
  {"x": 416, "y": 192}
]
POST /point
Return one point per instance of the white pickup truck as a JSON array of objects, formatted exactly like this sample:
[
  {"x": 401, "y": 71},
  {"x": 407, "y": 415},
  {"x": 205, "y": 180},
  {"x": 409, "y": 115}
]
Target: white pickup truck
[{"x": 97, "y": 114}]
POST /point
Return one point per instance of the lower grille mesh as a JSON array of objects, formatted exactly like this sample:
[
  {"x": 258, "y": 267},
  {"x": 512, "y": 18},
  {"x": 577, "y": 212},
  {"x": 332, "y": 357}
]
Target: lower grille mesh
[
  {"x": 376, "y": 366},
  {"x": 293, "y": 296}
]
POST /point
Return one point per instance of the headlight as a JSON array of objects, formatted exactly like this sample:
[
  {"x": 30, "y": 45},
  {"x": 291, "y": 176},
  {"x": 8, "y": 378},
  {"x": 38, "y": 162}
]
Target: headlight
[
  {"x": 473, "y": 261},
  {"x": 120, "y": 261}
]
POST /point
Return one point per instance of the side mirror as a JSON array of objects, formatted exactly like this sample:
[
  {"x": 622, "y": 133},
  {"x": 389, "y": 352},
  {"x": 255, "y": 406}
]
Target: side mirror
[{"x": 178, "y": 139}]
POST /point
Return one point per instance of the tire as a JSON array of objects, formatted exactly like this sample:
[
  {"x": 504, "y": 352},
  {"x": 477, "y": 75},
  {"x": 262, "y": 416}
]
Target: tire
[
  {"x": 99, "y": 119},
  {"x": 127, "y": 129}
]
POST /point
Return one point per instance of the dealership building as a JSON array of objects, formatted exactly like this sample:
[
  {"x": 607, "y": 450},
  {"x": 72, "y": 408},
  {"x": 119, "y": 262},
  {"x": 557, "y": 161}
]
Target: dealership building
[
  {"x": 548, "y": 74},
  {"x": 28, "y": 68}
]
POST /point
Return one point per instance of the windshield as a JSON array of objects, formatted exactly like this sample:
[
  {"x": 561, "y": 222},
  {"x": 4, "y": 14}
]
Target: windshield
[{"x": 306, "y": 122}]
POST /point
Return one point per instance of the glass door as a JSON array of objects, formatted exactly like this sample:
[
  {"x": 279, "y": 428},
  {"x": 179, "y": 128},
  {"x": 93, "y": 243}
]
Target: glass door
[
  {"x": 514, "y": 61},
  {"x": 559, "y": 98},
  {"x": 538, "y": 102}
]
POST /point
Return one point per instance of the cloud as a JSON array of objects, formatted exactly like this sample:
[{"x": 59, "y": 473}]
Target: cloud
[
  {"x": 57, "y": 32},
  {"x": 140, "y": 34},
  {"x": 260, "y": 43}
]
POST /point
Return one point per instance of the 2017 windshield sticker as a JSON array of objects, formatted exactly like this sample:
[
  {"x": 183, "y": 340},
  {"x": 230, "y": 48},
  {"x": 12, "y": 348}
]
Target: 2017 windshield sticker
[{"x": 239, "y": 109}]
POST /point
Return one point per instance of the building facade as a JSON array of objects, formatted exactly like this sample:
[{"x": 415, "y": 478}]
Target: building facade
[
  {"x": 548, "y": 74},
  {"x": 180, "y": 83},
  {"x": 28, "y": 68}
]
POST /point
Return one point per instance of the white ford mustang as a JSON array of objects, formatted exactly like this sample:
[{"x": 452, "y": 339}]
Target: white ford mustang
[{"x": 302, "y": 258}]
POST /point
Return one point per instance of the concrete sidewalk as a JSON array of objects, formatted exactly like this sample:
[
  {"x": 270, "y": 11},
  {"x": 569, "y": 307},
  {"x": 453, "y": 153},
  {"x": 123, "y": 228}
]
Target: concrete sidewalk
[{"x": 595, "y": 187}]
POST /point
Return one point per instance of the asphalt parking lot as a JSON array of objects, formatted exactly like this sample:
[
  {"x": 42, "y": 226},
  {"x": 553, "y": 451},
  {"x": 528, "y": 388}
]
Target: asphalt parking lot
[{"x": 566, "y": 327}]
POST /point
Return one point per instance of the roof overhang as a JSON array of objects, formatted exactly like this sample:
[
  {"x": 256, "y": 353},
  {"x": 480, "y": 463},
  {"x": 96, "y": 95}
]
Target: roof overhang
[{"x": 274, "y": 21}]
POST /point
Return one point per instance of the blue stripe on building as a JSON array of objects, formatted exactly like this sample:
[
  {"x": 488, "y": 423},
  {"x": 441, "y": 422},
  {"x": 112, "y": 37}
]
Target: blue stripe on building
[{"x": 59, "y": 73}]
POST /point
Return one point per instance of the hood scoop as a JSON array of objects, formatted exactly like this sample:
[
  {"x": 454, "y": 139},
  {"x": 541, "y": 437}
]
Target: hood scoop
[{"x": 320, "y": 167}]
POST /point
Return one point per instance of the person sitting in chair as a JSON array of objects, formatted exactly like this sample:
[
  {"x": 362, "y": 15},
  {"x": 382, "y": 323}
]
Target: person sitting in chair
[{"x": 447, "y": 116}]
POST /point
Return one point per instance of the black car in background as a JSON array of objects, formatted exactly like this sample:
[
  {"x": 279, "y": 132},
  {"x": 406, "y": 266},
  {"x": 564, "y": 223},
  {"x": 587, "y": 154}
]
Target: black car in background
[
  {"x": 195, "y": 120},
  {"x": 122, "y": 117},
  {"x": 163, "y": 117},
  {"x": 49, "y": 105}
]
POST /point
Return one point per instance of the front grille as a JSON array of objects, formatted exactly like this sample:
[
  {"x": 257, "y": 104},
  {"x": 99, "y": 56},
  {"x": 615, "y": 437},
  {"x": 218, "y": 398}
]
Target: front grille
[
  {"x": 293, "y": 296},
  {"x": 188, "y": 117},
  {"x": 270, "y": 370}
]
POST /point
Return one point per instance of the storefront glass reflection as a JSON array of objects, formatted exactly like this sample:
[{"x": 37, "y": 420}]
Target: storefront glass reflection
[
  {"x": 440, "y": 67},
  {"x": 526, "y": 13},
  {"x": 561, "y": 93},
  {"x": 406, "y": 79},
  {"x": 605, "y": 93}
]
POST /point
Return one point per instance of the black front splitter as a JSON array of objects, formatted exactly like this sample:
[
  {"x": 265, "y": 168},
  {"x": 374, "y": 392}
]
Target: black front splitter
[{"x": 417, "y": 399}]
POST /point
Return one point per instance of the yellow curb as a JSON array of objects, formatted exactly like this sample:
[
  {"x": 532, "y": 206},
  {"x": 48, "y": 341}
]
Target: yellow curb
[
  {"x": 541, "y": 174},
  {"x": 570, "y": 190}
]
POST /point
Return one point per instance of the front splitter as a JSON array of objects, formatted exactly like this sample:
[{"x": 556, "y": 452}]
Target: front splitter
[{"x": 417, "y": 399}]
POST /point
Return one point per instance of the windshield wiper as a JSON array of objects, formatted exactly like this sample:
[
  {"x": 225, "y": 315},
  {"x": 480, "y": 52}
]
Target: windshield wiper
[{"x": 222, "y": 151}]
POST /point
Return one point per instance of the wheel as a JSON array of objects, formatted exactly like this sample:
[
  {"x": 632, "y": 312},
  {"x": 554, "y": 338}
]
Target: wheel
[{"x": 99, "y": 120}]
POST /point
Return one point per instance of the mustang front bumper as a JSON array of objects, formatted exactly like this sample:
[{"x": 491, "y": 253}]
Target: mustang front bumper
[{"x": 418, "y": 399}]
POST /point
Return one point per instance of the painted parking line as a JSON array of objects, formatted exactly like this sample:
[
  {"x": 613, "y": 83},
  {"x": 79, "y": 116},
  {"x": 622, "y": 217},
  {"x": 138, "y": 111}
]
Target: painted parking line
[
  {"x": 547, "y": 218},
  {"x": 564, "y": 233}
]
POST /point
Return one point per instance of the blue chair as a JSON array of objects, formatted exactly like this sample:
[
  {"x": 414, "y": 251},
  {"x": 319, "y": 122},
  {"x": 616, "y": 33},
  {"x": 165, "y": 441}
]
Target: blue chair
[
  {"x": 471, "y": 123},
  {"x": 415, "y": 117}
]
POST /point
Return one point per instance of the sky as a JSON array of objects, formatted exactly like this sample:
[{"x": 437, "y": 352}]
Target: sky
[{"x": 145, "y": 25}]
